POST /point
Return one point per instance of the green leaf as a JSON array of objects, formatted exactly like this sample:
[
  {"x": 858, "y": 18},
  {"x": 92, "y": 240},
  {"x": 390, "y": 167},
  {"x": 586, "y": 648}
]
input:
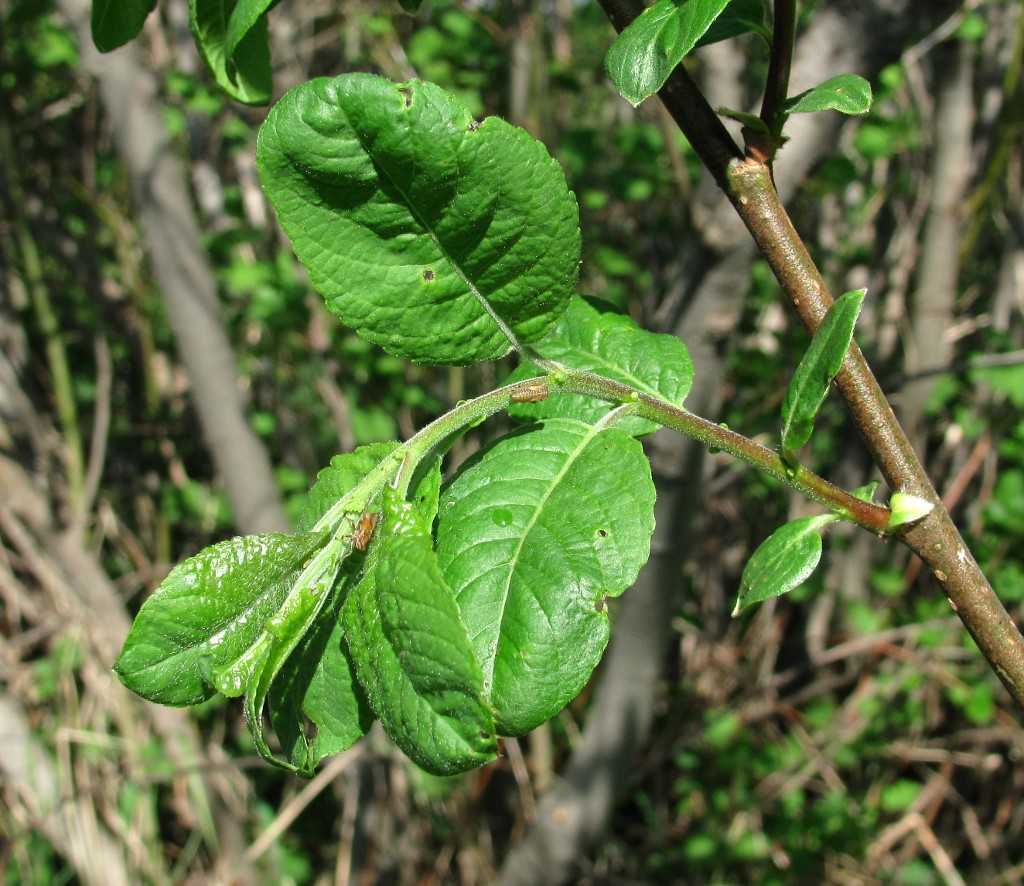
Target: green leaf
[
  {"x": 739, "y": 17},
  {"x": 783, "y": 561},
  {"x": 337, "y": 479},
  {"x": 318, "y": 683},
  {"x": 535, "y": 532},
  {"x": 847, "y": 93},
  {"x": 209, "y": 612},
  {"x": 232, "y": 38},
  {"x": 592, "y": 336},
  {"x": 441, "y": 239},
  {"x": 646, "y": 52},
  {"x": 412, "y": 653},
  {"x": 115, "y": 22},
  {"x": 821, "y": 363}
]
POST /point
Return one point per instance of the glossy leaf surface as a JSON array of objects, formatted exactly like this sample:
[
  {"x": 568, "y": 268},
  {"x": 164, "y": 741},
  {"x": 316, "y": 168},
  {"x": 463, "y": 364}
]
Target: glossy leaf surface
[
  {"x": 847, "y": 93},
  {"x": 783, "y": 561},
  {"x": 821, "y": 363},
  {"x": 647, "y": 51},
  {"x": 208, "y": 614}
]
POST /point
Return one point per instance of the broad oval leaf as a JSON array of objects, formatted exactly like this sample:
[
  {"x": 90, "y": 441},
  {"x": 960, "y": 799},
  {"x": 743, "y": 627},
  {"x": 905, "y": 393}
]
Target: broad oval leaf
[
  {"x": 594, "y": 337},
  {"x": 783, "y": 561},
  {"x": 207, "y": 613},
  {"x": 534, "y": 533},
  {"x": 847, "y": 93},
  {"x": 232, "y": 38},
  {"x": 821, "y": 363},
  {"x": 648, "y": 50},
  {"x": 442, "y": 240},
  {"x": 412, "y": 654},
  {"x": 115, "y": 22}
]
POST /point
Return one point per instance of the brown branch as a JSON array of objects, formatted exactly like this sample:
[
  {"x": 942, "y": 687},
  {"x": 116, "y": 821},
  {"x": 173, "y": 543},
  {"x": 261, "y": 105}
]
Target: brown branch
[{"x": 748, "y": 185}]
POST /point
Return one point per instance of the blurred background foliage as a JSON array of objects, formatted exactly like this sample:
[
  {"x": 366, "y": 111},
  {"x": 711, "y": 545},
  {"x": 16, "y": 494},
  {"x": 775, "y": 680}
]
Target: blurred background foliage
[{"x": 849, "y": 733}]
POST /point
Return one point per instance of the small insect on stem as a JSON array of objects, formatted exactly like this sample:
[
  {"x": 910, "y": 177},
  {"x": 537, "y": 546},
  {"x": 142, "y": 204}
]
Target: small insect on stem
[
  {"x": 530, "y": 393},
  {"x": 364, "y": 531}
]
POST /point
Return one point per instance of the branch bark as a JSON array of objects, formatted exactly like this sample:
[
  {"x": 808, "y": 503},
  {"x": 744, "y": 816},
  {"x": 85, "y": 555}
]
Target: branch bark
[{"x": 748, "y": 185}]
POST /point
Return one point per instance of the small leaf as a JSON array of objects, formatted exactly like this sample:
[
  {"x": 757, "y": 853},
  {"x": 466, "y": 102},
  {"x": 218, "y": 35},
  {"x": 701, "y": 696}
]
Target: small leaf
[
  {"x": 821, "y": 363},
  {"x": 783, "y": 561},
  {"x": 907, "y": 508},
  {"x": 534, "y": 534},
  {"x": 750, "y": 121},
  {"x": 739, "y": 17},
  {"x": 232, "y": 38},
  {"x": 847, "y": 93},
  {"x": 413, "y": 655},
  {"x": 209, "y": 612},
  {"x": 648, "y": 50},
  {"x": 592, "y": 336},
  {"x": 441, "y": 239},
  {"x": 116, "y": 22}
]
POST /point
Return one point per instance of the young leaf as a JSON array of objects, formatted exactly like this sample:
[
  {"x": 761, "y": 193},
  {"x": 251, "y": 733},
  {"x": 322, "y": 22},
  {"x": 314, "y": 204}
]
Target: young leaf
[
  {"x": 592, "y": 336},
  {"x": 208, "y": 612},
  {"x": 340, "y": 476},
  {"x": 647, "y": 51},
  {"x": 232, "y": 37},
  {"x": 412, "y": 654},
  {"x": 534, "y": 533},
  {"x": 441, "y": 239},
  {"x": 783, "y": 561},
  {"x": 739, "y": 17},
  {"x": 318, "y": 683},
  {"x": 821, "y": 363},
  {"x": 847, "y": 93},
  {"x": 115, "y": 22}
]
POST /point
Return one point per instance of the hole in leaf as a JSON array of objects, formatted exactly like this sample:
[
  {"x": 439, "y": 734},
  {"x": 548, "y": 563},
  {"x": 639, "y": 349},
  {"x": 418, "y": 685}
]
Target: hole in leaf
[
  {"x": 474, "y": 125},
  {"x": 601, "y": 605},
  {"x": 602, "y": 533},
  {"x": 428, "y": 274},
  {"x": 407, "y": 95}
]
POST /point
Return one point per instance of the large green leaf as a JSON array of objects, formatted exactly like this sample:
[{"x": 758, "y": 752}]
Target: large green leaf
[
  {"x": 412, "y": 654},
  {"x": 783, "y": 561},
  {"x": 115, "y": 22},
  {"x": 534, "y": 533},
  {"x": 592, "y": 336},
  {"x": 232, "y": 37},
  {"x": 208, "y": 614},
  {"x": 441, "y": 239},
  {"x": 647, "y": 51},
  {"x": 821, "y": 363}
]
